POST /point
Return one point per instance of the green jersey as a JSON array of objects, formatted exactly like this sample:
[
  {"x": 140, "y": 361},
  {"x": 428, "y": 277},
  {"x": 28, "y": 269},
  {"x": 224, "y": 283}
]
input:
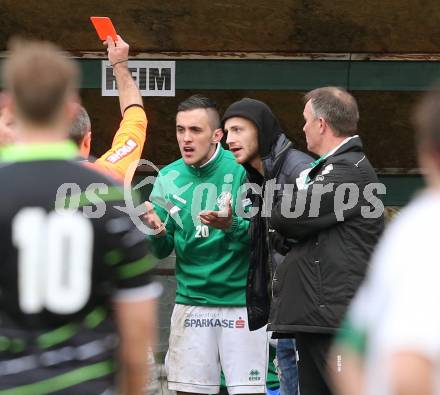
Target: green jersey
[{"x": 211, "y": 264}]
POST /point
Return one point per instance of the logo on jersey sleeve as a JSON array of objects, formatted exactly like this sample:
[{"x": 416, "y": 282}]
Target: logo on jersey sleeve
[{"x": 122, "y": 152}]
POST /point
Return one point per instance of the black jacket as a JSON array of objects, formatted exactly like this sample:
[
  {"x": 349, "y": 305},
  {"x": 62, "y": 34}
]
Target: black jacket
[
  {"x": 282, "y": 164},
  {"x": 331, "y": 243}
]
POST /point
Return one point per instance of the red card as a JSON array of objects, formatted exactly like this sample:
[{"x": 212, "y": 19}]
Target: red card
[{"x": 104, "y": 27}]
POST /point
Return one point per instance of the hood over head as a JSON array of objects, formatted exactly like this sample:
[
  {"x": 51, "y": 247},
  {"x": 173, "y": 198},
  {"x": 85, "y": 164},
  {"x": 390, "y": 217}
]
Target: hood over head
[{"x": 261, "y": 115}]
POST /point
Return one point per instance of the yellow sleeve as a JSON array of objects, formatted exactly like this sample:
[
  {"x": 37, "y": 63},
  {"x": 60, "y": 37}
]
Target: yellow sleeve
[{"x": 127, "y": 144}]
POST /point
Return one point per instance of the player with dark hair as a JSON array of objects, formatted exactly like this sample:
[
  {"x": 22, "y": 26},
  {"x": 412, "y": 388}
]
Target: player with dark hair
[{"x": 209, "y": 328}]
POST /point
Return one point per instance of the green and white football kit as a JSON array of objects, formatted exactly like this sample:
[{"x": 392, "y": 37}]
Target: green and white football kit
[{"x": 211, "y": 270}]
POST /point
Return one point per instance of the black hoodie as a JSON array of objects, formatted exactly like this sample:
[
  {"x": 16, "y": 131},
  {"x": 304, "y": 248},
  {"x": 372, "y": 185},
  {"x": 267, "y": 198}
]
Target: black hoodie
[
  {"x": 282, "y": 163},
  {"x": 261, "y": 115}
]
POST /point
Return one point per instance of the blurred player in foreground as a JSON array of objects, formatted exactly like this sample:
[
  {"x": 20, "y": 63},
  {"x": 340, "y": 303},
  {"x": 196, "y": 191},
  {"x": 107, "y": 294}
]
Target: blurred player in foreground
[
  {"x": 68, "y": 276},
  {"x": 390, "y": 343}
]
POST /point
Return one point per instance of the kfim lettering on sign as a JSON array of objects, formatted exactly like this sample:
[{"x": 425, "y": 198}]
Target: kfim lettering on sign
[{"x": 153, "y": 77}]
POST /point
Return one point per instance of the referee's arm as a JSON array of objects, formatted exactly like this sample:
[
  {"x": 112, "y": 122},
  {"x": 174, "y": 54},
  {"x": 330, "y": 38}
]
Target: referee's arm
[{"x": 129, "y": 94}]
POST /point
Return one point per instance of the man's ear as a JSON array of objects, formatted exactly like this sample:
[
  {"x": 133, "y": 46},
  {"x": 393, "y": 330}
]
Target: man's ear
[
  {"x": 72, "y": 107},
  {"x": 217, "y": 136},
  {"x": 86, "y": 144},
  {"x": 322, "y": 125},
  {"x": 88, "y": 139}
]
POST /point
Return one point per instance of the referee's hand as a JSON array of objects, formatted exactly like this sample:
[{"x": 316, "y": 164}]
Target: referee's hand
[{"x": 117, "y": 50}]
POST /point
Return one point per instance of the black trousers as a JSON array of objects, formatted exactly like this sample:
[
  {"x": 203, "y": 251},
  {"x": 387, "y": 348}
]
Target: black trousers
[{"x": 313, "y": 351}]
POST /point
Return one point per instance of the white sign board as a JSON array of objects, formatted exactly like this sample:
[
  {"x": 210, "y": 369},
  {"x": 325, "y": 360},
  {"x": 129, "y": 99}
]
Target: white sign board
[{"x": 154, "y": 78}]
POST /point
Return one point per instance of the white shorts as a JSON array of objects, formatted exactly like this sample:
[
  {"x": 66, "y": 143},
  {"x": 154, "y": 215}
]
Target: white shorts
[{"x": 206, "y": 340}]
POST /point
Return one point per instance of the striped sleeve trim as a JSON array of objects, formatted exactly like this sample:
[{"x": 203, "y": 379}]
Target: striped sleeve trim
[
  {"x": 136, "y": 268},
  {"x": 63, "y": 381}
]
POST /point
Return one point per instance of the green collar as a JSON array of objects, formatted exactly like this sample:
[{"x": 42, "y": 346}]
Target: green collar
[
  {"x": 331, "y": 152},
  {"x": 318, "y": 161},
  {"x": 41, "y": 151}
]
